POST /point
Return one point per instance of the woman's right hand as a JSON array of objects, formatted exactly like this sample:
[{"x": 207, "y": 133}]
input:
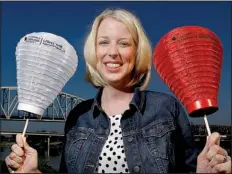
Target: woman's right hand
[{"x": 23, "y": 158}]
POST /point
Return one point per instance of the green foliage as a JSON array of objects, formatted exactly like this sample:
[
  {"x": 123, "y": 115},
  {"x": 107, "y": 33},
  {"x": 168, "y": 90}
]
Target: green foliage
[{"x": 44, "y": 167}]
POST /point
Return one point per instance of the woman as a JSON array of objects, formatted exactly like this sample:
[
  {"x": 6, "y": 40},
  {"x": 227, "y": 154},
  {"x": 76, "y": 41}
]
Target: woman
[{"x": 125, "y": 128}]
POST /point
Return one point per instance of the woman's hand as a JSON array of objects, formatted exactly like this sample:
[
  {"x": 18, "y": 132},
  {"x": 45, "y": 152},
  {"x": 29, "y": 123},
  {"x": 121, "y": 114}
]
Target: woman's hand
[
  {"x": 213, "y": 158},
  {"x": 23, "y": 158}
]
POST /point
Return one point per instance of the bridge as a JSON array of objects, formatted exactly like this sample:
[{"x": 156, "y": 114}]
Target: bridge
[{"x": 57, "y": 111}]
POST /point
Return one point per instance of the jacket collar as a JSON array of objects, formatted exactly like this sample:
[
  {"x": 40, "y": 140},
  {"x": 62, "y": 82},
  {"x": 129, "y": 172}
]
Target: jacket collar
[{"x": 137, "y": 101}]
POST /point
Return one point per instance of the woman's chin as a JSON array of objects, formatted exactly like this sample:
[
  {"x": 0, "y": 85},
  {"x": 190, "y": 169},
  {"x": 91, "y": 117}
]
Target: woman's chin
[{"x": 113, "y": 82}]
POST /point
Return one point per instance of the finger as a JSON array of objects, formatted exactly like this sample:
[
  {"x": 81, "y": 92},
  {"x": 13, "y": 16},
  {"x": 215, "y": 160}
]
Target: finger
[
  {"x": 228, "y": 158},
  {"x": 12, "y": 164},
  {"x": 19, "y": 140},
  {"x": 208, "y": 169},
  {"x": 217, "y": 159},
  {"x": 215, "y": 149},
  {"x": 13, "y": 156},
  {"x": 10, "y": 170},
  {"x": 224, "y": 167},
  {"x": 213, "y": 139},
  {"x": 7, "y": 161},
  {"x": 17, "y": 150}
]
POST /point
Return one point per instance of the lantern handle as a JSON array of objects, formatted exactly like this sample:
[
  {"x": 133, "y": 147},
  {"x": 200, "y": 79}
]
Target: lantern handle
[
  {"x": 207, "y": 125},
  {"x": 25, "y": 126}
]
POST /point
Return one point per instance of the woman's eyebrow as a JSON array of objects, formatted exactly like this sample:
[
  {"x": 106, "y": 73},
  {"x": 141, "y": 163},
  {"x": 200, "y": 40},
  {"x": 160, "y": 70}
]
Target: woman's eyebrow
[{"x": 103, "y": 37}]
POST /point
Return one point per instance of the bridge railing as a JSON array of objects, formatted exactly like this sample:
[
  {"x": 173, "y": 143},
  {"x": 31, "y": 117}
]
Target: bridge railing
[{"x": 58, "y": 110}]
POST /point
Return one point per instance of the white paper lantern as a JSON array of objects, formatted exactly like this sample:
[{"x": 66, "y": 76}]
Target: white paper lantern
[{"x": 45, "y": 62}]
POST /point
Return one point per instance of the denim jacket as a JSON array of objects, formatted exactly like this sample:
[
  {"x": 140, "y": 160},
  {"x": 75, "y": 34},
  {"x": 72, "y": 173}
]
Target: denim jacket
[{"x": 156, "y": 134}]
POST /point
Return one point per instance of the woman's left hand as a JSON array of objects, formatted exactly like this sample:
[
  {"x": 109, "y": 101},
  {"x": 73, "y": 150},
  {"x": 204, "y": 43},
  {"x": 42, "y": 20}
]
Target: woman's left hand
[{"x": 213, "y": 158}]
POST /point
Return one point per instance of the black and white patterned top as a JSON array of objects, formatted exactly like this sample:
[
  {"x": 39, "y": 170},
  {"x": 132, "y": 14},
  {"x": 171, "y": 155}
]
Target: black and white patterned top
[{"x": 112, "y": 158}]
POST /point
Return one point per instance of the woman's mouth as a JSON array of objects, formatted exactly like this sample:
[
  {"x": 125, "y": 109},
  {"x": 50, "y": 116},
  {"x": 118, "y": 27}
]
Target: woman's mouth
[{"x": 113, "y": 67}]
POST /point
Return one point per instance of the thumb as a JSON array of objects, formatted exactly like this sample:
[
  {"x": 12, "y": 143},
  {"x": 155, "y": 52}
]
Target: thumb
[
  {"x": 214, "y": 138},
  {"x": 19, "y": 140}
]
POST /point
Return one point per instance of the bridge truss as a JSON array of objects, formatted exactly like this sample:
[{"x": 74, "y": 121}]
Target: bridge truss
[{"x": 57, "y": 111}]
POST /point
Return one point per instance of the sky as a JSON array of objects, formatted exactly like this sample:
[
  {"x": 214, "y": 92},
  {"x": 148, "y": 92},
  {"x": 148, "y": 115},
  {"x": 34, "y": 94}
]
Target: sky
[{"x": 72, "y": 20}]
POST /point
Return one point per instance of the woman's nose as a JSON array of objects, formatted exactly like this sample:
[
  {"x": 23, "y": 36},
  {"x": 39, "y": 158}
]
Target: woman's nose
[{"x": 113, "y": 51}]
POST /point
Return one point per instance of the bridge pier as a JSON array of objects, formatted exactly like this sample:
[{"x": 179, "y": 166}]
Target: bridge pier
[{"x": 48, "y": 150}]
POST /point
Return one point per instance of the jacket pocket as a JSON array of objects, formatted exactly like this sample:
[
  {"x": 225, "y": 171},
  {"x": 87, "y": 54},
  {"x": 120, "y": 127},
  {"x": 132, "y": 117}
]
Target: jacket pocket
[
  {"x": 157, "y": 136},
  {"x": 75, "y": 139}
]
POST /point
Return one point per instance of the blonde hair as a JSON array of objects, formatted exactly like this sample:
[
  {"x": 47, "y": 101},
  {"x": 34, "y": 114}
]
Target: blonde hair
[{"x": 142, "y": 69}]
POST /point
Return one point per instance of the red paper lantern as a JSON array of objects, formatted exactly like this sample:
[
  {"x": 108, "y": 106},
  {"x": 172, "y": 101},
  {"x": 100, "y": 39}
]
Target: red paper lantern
[{"x": 189, "y": 60}]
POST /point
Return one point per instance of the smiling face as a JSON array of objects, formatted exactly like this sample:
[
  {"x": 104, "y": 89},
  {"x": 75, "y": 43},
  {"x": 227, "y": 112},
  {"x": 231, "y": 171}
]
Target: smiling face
[{"x": 115, "y": 50}]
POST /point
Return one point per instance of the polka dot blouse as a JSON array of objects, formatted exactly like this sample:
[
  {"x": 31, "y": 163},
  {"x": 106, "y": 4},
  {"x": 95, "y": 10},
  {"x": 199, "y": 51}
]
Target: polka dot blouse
[{"x": 112, "y": 158}]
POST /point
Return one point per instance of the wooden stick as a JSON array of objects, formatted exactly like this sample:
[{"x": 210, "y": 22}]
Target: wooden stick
[
  {"x": 25, "y": 127},
  {"x": 207, "y": 125}
]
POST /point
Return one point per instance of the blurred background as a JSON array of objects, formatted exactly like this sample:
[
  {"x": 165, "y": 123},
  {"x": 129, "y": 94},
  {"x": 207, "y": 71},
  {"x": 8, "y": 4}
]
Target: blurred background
[{"x": 72, "y": 20}]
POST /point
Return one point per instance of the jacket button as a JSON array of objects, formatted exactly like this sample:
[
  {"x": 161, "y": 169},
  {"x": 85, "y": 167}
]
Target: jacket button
[
  {"x": 136, "y": 169},
  {"x": 130, "y": 139}
]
